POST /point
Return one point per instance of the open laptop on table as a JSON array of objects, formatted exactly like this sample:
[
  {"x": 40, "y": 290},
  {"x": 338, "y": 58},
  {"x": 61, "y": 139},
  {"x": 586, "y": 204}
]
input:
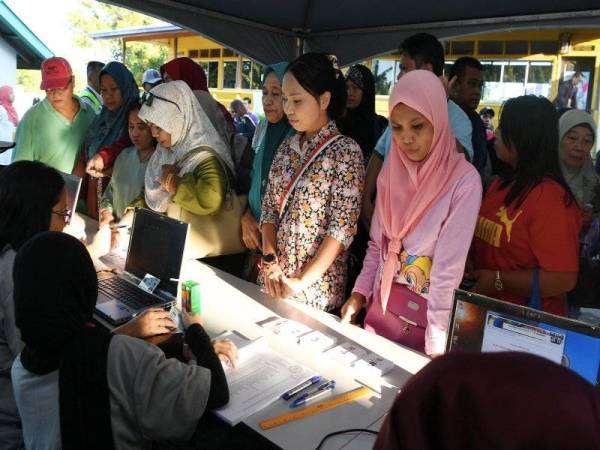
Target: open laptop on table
[
  {"x": 155, "y": 248},
  {"x": 483, "y": 324}
]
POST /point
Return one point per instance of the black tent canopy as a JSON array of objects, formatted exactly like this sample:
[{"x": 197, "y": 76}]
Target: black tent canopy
[{"x": 269, "y": 31}]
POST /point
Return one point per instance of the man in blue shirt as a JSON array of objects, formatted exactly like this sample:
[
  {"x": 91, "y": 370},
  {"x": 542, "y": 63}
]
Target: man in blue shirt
[
  {"x": 421, "y": 51},
  {"x": 466, "y": 93}
]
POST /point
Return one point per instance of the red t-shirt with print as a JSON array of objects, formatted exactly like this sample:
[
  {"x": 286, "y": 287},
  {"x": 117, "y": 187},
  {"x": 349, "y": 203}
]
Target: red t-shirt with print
[{"x": 542, "y": 232}]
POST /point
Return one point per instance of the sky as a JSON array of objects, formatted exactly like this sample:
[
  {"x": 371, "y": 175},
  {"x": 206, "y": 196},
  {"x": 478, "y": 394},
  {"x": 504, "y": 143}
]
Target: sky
[{"x": 48, "y": 20}]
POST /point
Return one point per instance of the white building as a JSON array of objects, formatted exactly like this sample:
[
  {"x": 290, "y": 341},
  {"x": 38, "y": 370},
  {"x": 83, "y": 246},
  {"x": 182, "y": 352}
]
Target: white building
[{"x": 20, "y": 48}]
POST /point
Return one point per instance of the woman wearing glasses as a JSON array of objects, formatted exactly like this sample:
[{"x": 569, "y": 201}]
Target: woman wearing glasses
[
  {"x": 190, "y": 174},
  {"x": 33, "y": 200}
]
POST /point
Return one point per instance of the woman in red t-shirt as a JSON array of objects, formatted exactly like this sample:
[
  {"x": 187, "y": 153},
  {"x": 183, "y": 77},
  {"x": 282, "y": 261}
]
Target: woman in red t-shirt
[{"x": 529, "y": 218}]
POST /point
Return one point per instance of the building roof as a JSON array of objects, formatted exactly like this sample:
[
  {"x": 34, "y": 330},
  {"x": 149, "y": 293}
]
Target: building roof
[
  {"x": 140, "y": 31},
  {"x": 31, "y": 51}
]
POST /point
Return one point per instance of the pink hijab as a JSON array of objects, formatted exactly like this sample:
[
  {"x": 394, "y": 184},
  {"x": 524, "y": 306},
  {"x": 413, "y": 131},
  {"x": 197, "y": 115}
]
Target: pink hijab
[
  {"x": 5, "y": 101},
  {"x": 406, "y": 190}
]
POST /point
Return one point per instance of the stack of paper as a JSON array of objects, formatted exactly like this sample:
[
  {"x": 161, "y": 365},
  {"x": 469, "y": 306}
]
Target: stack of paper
[
  {"x": 317, "y": 341},
  {"x": 285, "y": 328},
  {"x": 346, "y": 353},
  {"x": 259, "y": 380},
  {"x": 374, "y": 364}
]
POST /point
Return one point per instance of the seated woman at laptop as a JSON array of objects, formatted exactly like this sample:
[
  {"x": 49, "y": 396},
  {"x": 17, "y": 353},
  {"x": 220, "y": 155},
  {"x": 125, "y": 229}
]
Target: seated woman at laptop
[
  {"x": 126, "y": 187},
  {"x": 33, "y": 200},
  {"x": 529, "y": 220},
  {"x": 78, "y": 386},
  {"x": 189, "y": 175},
  {"x": 428, "y": 197}
]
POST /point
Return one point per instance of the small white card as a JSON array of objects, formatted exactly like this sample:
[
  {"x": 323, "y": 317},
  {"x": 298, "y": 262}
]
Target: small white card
[
  {"x": 175, "y": 315},
  {"x": 317, "y": 341},
  {"x": 149, "y": 283},
  {"x": 286, "y": 328},
  {"x": 346, "y": 353},
  {"x": 374, "y": 363}
]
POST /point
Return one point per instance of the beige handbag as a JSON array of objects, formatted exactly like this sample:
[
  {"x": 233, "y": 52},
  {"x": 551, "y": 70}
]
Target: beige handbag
[{"x": 214, "y": 234}]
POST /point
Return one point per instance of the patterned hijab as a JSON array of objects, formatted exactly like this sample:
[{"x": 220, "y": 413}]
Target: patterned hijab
[
  {"x": 108, "y": 125},
  {"x": 359, "y": 123},
  {"x": 176, "y": 110}
]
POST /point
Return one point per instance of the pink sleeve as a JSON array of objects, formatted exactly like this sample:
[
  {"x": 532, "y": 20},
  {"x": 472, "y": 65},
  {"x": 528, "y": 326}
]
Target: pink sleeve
[
  {"x": 368, "y": 275},
  {"x": 449, "y": 259}
]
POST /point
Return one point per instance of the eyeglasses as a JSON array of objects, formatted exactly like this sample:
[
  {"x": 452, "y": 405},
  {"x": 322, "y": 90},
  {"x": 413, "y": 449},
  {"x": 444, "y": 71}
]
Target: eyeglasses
[
  {"x": 65, "y": 214},
  {"x": 148, "y": 98},
  {"x": 59, "y": 90}
]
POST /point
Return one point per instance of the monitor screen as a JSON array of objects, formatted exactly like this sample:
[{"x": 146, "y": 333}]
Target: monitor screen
[
  {"x": 482, "y": 324},
  {"x": 72, "y": 187},
  {"x": 156, "y": 247}
]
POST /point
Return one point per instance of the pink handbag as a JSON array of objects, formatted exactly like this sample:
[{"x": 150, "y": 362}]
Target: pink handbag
[{"x": 405, "y": 319}]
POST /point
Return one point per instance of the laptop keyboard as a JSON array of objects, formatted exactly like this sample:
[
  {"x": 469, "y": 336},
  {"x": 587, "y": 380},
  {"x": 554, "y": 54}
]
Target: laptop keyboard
[{"x": 127, "y": 293}]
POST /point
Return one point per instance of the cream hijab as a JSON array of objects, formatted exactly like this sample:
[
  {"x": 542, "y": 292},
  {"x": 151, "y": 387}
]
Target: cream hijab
[
  {"x": 176, "y": 110},
  {"x": 582, "y": 181}
]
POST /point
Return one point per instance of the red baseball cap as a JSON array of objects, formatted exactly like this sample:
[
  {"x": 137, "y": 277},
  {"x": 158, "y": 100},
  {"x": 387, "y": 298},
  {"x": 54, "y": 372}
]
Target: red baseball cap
[{"x": 56, "y": 73}]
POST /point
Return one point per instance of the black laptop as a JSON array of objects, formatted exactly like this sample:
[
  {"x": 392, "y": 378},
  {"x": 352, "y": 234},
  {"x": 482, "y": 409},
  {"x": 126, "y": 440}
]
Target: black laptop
[
  {"x": 483, "y": 324},
  {"x": 155, "y": 248}
]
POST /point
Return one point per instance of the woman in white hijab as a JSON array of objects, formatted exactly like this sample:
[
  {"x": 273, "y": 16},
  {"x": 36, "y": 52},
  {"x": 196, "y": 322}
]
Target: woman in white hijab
[
  {"x": 577, "y": 132},
  {"x": 190, "y": 174}
]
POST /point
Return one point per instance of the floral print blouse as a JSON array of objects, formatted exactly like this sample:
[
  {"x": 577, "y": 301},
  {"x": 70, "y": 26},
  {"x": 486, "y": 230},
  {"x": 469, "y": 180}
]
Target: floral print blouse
[{"x": 325, "y": 202}]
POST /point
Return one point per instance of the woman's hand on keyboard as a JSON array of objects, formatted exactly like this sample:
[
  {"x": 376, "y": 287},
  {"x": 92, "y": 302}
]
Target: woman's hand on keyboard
[{"x": 151, "y": 322}]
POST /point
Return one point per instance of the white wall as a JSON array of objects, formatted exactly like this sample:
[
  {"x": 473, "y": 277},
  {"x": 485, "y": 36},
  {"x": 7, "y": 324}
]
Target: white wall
[{"x": 8, "y": 63}]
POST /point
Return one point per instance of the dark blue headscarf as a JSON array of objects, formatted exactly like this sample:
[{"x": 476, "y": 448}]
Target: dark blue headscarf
[
  {"x": 274, "y": 134},
  {"x": 108, "y": 125}
]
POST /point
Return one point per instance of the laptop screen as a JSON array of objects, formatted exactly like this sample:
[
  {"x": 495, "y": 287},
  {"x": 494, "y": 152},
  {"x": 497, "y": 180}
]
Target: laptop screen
[
  {"x": 483, "y": 324},
  {"x": 72, "y": 187},
  {"x": 156, "y": 247}
]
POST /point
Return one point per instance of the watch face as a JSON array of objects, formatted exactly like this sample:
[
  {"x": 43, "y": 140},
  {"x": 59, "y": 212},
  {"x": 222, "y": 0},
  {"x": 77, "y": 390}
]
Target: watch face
[
  {"x": 269, "y": 258},
  {"x": 498, "y": 284}
]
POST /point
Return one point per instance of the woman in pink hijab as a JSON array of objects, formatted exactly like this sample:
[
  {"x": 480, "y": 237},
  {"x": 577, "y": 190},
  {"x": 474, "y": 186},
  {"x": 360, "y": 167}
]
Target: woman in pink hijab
[
  {"x": 428, "y": 198},
  {"x": 7, "y": 97}
]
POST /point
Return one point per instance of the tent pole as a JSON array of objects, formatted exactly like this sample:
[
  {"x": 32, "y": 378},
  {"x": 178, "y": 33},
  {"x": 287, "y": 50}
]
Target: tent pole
[{"x": 298, "y": 46}]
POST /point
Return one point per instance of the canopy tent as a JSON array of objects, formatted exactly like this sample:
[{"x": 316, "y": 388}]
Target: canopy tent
[{"x": 271, "y": 30}]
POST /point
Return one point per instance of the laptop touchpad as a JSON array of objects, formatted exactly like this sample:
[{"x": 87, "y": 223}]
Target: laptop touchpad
[{"x": 117, "y": 311}]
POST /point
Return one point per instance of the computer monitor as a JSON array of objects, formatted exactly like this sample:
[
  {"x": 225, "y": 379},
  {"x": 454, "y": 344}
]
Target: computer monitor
[
  {"x": 156, "y": 248},
  {"x": 484, "y": 324}
]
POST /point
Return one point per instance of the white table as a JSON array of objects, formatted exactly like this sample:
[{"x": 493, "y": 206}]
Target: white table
[{"x": 229, "y": 303}]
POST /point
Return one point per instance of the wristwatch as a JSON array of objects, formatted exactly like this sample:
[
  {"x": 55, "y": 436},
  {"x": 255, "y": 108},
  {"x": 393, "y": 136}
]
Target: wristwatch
[
  {"x": 498, "y": 282},
  {"x": 269, "y": 258}
]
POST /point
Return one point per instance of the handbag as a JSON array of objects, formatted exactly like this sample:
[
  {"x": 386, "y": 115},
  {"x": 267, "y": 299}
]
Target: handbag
[
  {"x": 214, "y": 234},
  {"x": 405, "y": 320}
]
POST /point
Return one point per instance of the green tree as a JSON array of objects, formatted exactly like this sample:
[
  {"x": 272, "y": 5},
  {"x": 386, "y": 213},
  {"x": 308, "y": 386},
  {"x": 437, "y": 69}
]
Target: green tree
[
  {"x": 382, "y": 83},
  {"x": 92, "y": 16},
  {"x": 29, "y": 79}
]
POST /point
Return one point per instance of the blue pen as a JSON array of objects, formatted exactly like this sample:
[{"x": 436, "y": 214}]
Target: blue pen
[
  {"x": 309, "y": 396},
  {"x": 289, "y": 394}
]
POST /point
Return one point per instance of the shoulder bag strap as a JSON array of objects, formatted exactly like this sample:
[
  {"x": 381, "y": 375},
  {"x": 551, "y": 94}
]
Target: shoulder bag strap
[{"x": 287, "y": 192}]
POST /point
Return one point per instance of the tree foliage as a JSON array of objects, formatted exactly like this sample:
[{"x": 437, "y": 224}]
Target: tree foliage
[{"x": 92, "y": 16}]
